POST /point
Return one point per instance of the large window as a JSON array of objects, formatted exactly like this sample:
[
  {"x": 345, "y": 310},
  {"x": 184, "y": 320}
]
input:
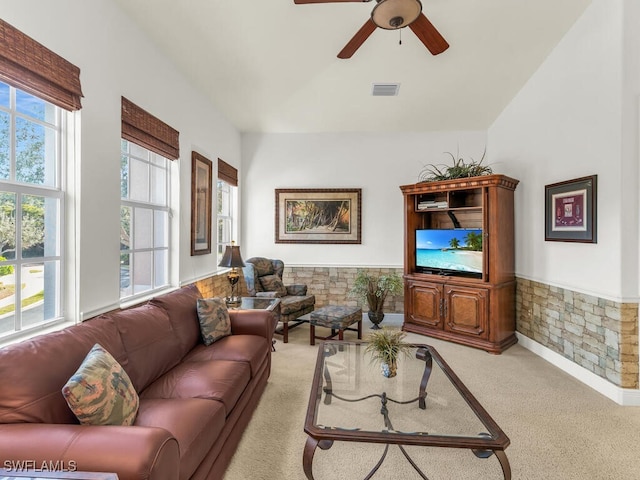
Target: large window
[
  {"x": 148, "y": 145},
  {"x": 144, "y": 220},
  {"x": 227, "y": 192},
  {"x": 31, "y": 211}
]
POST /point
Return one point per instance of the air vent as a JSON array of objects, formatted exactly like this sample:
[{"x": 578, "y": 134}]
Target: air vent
[{"x": 385, "y": 89}]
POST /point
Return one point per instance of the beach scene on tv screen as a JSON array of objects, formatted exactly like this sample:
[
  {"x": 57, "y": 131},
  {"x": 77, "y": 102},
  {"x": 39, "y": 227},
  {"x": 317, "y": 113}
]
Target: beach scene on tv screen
[{"x": 456, "y": 249}]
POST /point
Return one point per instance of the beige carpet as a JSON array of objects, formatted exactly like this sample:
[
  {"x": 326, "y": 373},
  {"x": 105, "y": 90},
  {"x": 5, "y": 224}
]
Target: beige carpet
[{"x": 558, "y": 427}]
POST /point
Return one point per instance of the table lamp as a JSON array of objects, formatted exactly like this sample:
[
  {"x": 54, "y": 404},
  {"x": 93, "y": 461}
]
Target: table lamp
[{"x": 232, "y": 259}]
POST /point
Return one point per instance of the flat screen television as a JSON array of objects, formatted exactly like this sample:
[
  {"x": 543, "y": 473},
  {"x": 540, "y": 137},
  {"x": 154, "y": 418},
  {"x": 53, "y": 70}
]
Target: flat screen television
[{"x": 455, "y": 251}]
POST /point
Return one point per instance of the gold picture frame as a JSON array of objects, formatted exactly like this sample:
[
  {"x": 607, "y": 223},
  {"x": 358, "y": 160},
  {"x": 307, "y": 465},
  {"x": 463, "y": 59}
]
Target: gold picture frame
[
  {"x": 201, "y": 175},
  {"x": 318, "y": 215}
]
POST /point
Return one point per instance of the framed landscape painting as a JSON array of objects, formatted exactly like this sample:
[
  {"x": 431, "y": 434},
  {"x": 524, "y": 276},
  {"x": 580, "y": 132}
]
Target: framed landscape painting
[
  {"x": 570, "y": 210},
  {"x": 327, "y": 215}
]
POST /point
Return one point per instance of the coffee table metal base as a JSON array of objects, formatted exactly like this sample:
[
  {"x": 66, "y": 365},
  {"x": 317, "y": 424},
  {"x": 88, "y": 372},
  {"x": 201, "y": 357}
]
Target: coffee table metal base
[
  {"x": 421, "y": 354},
  {"x": 311, "y": 445}
]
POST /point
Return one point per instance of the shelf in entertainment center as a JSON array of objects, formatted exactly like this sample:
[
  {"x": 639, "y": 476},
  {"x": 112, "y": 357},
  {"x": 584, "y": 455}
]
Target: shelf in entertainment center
[{"x": 447, "y": 209}]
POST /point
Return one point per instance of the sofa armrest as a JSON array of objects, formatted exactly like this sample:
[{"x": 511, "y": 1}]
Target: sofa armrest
[
  {"x": 297, "y": 290},
  {"x": 130, "y": 451},
  {"x": 253, "y": 322}
]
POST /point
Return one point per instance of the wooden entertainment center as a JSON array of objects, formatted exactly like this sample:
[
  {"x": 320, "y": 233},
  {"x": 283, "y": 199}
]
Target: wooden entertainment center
[{"x": 476, "y": 311}]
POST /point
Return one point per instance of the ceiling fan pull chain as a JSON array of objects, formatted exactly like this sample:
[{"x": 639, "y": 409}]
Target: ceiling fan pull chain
[{"x": 400, "y": 31}]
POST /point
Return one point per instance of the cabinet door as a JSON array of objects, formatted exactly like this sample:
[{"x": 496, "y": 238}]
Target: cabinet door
[
  {"x": 426, "y": 304},
  {"x": 466, "y": 310}
]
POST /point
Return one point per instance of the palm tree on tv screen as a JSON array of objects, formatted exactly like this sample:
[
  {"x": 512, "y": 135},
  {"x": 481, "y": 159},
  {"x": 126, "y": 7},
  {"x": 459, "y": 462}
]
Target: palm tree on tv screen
[{"x": 474, "y": 241}]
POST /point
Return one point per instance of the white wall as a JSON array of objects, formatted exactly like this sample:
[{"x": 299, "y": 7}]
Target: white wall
[
  {"x": 567, "y": 122},
  {"x": 376, "y": 163},
  {"x": 116, "y": 60},
  {"x": 576, "y": 116}
]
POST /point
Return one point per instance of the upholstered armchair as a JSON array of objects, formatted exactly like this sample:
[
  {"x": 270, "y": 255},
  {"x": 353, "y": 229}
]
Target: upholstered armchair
[{"x": 264, "y": 279}]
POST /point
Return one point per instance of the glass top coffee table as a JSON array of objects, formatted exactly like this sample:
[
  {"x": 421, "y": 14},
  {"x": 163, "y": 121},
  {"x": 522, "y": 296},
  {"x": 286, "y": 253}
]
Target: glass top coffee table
[
  {"x": 425, "y": 404},
  {"x": 258, "y": 303}
]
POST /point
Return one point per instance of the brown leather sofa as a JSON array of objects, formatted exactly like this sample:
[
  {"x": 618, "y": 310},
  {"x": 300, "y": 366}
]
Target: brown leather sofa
[{"x": 195, "y": 400}]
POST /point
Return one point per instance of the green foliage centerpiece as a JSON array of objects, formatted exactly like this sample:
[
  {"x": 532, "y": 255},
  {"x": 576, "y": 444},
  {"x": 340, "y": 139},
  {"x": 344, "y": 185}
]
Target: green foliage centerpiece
[
  {"x": 458, "y": 169},
  {"x": 385, "y": 345},
  {"x": 374, "y": 290}
]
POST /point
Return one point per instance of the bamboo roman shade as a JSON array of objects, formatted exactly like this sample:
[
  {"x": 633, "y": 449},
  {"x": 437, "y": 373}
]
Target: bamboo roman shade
[
  {"x": 142, "y": 128},
  {"x": 227, "y": 173},
  {"x": 29, "y": 66}
]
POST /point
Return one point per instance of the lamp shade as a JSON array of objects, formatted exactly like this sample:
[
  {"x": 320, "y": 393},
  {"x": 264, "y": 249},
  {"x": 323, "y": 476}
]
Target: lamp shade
[
  {"x": 394, "y": 14},
  {"x": 231, "y": 257}
]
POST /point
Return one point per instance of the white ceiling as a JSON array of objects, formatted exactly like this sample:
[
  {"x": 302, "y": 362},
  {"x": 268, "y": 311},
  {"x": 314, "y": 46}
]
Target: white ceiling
[{"x": 271, "y": 65}]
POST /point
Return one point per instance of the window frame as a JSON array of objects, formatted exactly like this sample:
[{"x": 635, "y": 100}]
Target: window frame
[
  {"x": 60, "y": 125},
  {"x": 227, "y": 180},
  {"x": 166, "y": 207},
  {"x": 223, "y": 187}
]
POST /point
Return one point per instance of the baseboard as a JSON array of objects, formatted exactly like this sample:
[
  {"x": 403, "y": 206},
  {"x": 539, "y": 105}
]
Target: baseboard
[{"x": 622, "y": 396}]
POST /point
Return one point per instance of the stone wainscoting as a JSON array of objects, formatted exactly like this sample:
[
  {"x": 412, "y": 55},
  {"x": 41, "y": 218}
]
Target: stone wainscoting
[
  {"x": 598, "y": 334},
  {"x": 217, "y": 286},
  {"x": 331, "y": 285}
]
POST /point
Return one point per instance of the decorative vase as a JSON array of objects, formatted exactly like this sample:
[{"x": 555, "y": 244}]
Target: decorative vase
[
  {"x": 376, "y": 318},
  {"x": 389, "y": 369}
]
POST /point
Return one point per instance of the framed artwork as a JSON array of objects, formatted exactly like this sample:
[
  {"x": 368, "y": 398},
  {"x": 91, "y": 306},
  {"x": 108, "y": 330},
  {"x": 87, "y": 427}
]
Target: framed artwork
[
  {"x": 201, "y": 174},
  {"x": 570, "y": 210},
  {"x": 326, "y": 215}
]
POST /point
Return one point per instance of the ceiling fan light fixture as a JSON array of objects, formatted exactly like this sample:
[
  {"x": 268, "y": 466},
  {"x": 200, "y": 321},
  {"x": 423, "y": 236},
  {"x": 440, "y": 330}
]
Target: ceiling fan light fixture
[{"x": 394, "y": 14}]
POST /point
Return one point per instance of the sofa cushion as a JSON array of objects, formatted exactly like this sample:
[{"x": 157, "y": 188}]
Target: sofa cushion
[
  {"x": 35, "y": 397},
  {"x": 214, "y": 319},
  {"x": 273, "y": 283},
  {"x": 194, "y": 422},
  {"x": 100, "y": 392},
  {"x": 150, "y": 343},
  {"x": 180, "y": 305},
  {"x": 295, "y": 303},
  {"x": 251, "y": 349},
  {"x": 221, "y": 380}
]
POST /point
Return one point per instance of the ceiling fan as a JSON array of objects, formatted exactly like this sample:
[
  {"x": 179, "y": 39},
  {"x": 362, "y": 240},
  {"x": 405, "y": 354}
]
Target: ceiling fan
[{"x": 392, "y": 15}]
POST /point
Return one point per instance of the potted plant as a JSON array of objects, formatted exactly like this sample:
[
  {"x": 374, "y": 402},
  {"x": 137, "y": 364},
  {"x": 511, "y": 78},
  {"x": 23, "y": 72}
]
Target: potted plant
[
  {"x": 374, "y": 290},
  {"x": 459, "y": 169},
  {"x": 385, "y": 345}
]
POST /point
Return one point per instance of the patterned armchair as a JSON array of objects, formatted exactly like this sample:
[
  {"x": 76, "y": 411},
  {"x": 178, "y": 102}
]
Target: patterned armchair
[{"x": 264, "y": 279}]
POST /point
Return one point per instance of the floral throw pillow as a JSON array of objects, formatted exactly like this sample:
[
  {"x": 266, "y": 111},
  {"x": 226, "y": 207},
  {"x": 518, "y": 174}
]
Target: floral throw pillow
[
  {"x": 214, "y": 319},
  {"x": 272, "y": 283},
  {"x": 101, "y": 392}
]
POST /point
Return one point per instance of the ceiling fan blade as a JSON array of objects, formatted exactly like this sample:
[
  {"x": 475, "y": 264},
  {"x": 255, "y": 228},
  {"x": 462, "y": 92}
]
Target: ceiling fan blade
[
  {"x": 358, "y": 39},
  {"x": 300, "y": 2},
  {"x": 428, "y": 35}
]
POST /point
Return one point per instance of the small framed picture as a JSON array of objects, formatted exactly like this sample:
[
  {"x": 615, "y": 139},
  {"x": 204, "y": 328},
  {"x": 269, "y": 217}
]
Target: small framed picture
[
  {"x": 201, "y": 174},
  {"x": 570, "y": 210}
]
